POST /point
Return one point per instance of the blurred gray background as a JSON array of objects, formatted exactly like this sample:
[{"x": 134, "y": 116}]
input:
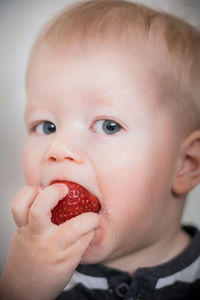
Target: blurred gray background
[{"x": 20, "y": 21}]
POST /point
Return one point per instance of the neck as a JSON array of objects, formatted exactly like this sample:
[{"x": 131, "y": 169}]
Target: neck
[{"x": 163, "y": 251}]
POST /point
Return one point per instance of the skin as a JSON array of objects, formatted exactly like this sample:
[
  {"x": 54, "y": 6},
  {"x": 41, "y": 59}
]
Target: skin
[{"x": 132, "y": 172}]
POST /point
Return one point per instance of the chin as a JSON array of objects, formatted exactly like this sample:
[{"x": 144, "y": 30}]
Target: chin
[
  {"x": 92, "y": 255},
  {"x": 96, "y": 252}
]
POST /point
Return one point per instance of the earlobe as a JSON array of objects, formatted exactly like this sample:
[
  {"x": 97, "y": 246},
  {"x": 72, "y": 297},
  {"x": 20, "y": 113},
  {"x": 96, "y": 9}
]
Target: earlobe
[{"x": 188, "y": 169}]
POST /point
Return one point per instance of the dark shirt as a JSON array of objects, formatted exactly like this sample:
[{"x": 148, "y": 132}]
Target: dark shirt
[{"x": 178, "y": 279}]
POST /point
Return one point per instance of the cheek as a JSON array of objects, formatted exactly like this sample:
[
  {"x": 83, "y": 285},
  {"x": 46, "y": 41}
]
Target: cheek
[
  {"x": 122, "y": 185},
  {"x": 129, "y": 181},
  {"x": 31, "y": 164}
]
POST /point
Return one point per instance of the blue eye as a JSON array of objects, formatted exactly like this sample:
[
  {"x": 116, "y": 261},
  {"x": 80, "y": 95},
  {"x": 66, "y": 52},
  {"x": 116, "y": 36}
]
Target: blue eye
[
  {"x": 108, "y": 127},
  {"x": 45, "y": 127}
]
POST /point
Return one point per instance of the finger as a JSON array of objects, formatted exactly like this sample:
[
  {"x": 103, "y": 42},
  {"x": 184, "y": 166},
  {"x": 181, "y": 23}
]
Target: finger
[
  {"x": 73, "y": 255},
  {"x": 40, "y": 212},
  {"x": 72, "y": 230},
  {"x": 21, "y": 204},
  {"x": 81, "y": 245}
]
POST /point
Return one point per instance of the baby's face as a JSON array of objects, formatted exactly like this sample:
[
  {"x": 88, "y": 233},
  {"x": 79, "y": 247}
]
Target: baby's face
[{"x": 94, "y": 117}]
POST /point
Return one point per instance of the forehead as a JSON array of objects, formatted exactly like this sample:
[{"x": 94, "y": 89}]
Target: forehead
[{"x": 94, "y": 68}]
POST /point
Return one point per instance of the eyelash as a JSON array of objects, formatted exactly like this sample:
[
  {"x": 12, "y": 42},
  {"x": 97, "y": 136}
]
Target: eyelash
[
  {"x": 33, "y": 127},
  {"x": 105, "y": 121}
]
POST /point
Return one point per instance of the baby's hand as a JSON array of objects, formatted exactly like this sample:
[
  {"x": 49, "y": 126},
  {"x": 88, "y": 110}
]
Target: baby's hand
[{"x": 43, "y": 256}]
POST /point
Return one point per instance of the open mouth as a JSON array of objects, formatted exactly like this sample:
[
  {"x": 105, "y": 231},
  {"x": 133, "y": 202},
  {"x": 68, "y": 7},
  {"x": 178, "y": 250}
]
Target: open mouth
[{"x": 78, "y": 200}]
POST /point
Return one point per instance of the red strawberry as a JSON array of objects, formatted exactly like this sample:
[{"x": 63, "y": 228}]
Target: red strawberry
[{"x": 77, "y": 201}]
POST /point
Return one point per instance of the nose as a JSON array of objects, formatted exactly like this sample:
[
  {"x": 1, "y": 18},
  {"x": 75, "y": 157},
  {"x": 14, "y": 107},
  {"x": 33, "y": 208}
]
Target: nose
[{"x": 60, "y": 150}]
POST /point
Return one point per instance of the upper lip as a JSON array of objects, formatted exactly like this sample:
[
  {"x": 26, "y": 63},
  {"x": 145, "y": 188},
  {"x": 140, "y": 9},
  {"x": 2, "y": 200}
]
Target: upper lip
[{"x": 57, "y": 181}]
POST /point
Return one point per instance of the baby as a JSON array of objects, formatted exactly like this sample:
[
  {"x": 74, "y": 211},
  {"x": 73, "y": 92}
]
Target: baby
[{"x": 113, "y": 108}]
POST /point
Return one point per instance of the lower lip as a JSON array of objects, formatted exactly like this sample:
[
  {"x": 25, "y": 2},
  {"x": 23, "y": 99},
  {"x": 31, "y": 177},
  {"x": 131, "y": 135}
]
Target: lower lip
[{"x": 99, "y": 232}]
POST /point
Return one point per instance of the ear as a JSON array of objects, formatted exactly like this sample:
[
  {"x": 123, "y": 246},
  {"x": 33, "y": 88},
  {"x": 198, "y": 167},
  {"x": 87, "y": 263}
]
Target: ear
[{"x": 188, "y": 169}]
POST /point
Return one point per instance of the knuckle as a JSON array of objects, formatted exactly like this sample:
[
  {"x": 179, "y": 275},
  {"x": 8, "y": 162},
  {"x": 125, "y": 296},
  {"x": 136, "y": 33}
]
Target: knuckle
[
  {"x": 35, "y": 213},
  {"x": 16, "y": 203},
  {"x": 18, "y": 199},
  {"x": 13, "y": 207}
]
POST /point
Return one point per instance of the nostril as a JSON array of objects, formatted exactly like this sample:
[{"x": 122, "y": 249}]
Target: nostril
[
  {"x": 69, "y": 158},
  {"x": 58, "y": 153},
  {"x": 52, "y": 158}
]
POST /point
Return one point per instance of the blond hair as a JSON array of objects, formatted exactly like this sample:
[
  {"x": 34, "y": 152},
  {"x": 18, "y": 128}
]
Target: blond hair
[{"x": 118, "y": 19}]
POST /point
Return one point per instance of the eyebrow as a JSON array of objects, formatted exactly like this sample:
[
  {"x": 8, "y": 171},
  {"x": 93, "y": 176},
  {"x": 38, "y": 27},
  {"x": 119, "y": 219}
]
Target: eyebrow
[
  {"x": 30, "y": 110},
  {"x": 95, "y": 97},
  {"x": 100, "y": 98},
  {"x": 100, "y": 101}
]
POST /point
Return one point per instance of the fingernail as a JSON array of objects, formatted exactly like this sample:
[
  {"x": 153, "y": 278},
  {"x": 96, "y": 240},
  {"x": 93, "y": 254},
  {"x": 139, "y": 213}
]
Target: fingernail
[
  {"x": 96, "y": 220},
  {"x": 63, "y": 186}
]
